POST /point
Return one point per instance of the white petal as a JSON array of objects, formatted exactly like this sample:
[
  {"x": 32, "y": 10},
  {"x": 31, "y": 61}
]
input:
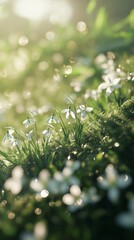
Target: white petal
[
  {"x": 109, "y": 90},
  {"x": 67, "y": 114},
  {"x": 64, "y": 110},
  {"x": 11, "y": 131},
  {"x": 89, "y": 109},
  {"x": 102, "y": 86},
  {"x": 83, "y": 114},
  {"x": 82, "y": 107},
  {"x": 113, "y": 194},
  {"x": 117, "y": 86},
  {"x": 72, "y": 114},
  {"x": 78, "y": 110},
  {"x": 116, "y": 81}
]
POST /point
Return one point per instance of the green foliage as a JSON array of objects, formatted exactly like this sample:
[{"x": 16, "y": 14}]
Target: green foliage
[
  {"x": 91, "y": 6},
  {"x": 100, "y": 22}
]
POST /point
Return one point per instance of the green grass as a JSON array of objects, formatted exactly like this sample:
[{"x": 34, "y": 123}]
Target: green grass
[{"x": 66, "y": 155}]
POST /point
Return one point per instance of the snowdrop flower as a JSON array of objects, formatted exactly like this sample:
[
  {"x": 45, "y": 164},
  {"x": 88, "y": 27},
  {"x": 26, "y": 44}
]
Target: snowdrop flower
[
  {"x": 15, "y": 142},
  {"x": 47, "y": 133},
  {"x": 68, "y": 112},
  {"x": 83, "y": 110},
  {"x": 30, "y": 135},
  {"x": 110, "y": 84},
  {"x": 14, "y": 183},
  {"x": 9, "y": 135},
  {"x": 113, "y": 182},
  {"x": 28, "y": 122},
  {"x": 52, "y": 119},
  {"x": 126, "y": 219},
  {"x": 9, "y": 138}
]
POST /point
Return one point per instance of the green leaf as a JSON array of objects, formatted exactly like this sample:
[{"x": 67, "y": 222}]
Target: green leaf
[
  {"x": 101, "y": 20},
  {"x": 131, "y": 18},
  {"x": 91, "y": 6}
]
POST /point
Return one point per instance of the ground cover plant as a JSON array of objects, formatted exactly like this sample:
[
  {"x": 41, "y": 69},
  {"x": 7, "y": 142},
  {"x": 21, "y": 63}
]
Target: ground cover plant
[{"x": 67, "y": 132}]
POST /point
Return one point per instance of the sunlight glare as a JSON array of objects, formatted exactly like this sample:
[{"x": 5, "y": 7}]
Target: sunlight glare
[
  {"x": 32, "y": 9},
  {"x": 37, "y": 10}
]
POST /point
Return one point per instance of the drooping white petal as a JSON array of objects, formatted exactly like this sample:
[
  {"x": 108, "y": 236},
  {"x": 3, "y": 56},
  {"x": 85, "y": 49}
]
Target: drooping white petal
[
  {"x": 72, "y": 114},
  {"x": 67, "y": 114},
  {"x": 89, "y": 109},
  {"x": 109, "y": 90},
  {"x": 102, "y": 86},
  {"x": 113, "y": 194}
]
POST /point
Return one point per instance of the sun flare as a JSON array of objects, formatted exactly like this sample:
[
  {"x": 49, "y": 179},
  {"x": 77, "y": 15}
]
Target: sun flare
[{"x": 38, "y": 10}]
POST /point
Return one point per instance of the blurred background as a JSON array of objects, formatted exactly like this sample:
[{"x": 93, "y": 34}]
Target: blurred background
[
  {"x": 43, "y": 43},
  {"x": 40, "y": 15}
]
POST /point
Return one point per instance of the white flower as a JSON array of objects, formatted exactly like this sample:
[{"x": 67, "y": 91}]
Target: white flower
[
  {"x": 28, "y": 122},
  {"x": 15, "y": 142},
  {"x": 68, "y": 112},
  {"x": 111, "y": 83},
  {"x": 9, "y": 135},
  {"x": 113, "y": 182},
  {"x": 83, "y": 110},
  {"x": 47, "y": 133},
  {"x": 29, "y": 135},
  {"x": 52, "y": 119},
  {"x": 14, "y": 183},
  {"x": 126, "y": 219}
]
